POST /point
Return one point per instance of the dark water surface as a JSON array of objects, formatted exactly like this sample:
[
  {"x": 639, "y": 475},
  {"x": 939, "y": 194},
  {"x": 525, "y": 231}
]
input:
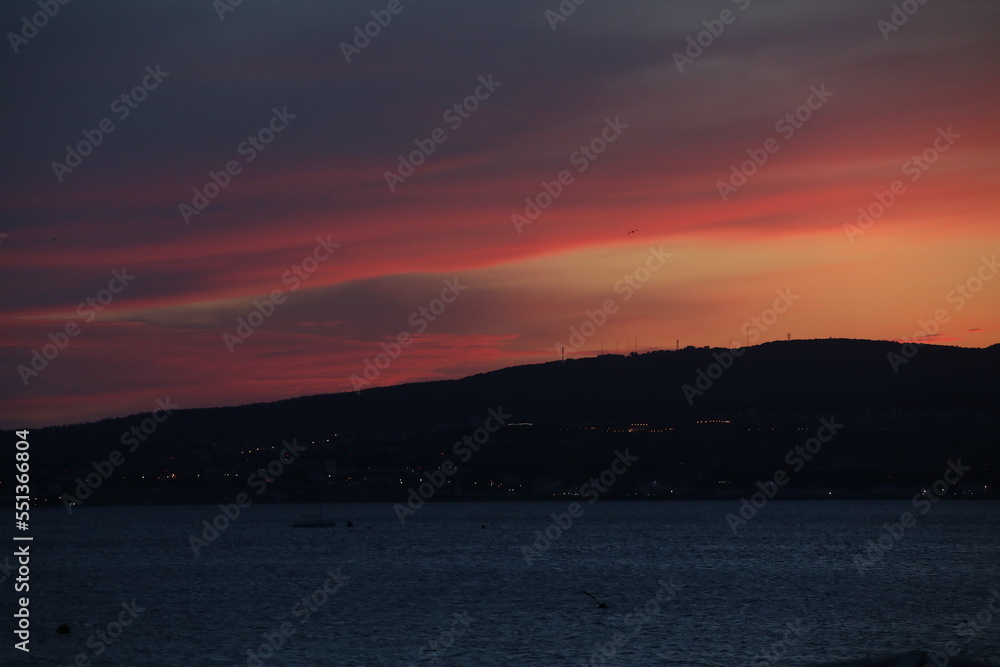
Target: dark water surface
[{"x": 782, "y": 591}]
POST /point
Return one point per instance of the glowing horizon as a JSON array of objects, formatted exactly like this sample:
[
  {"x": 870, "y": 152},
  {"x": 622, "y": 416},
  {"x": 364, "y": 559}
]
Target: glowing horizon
[{"x": 870, "y": 192}]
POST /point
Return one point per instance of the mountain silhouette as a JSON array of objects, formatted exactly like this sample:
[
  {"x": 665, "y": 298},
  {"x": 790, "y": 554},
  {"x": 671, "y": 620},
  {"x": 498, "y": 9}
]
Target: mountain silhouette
[{"x": 699, "y": 414}]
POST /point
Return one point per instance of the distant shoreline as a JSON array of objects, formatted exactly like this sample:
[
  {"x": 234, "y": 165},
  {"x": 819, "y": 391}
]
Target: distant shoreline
[{"x": 844, "y": 497}]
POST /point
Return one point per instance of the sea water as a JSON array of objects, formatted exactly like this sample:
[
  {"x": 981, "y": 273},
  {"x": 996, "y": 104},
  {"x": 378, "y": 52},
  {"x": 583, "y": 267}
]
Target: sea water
[{"x": 503, "y": 584}]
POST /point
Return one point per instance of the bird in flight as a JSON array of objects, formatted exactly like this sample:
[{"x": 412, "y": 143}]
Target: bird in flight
[
  {"x": 632, "y": 232},
  {"x": 600, "y": 605}
]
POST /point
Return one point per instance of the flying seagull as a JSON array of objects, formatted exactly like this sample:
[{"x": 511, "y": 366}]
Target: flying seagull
[
  {"x": 600, "y": 605},
  {"x": 632, "y": 232}
]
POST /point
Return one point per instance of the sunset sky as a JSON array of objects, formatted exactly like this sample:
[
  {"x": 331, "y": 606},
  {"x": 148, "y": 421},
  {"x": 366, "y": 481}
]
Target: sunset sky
[{"x": 356, "y": 253}]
